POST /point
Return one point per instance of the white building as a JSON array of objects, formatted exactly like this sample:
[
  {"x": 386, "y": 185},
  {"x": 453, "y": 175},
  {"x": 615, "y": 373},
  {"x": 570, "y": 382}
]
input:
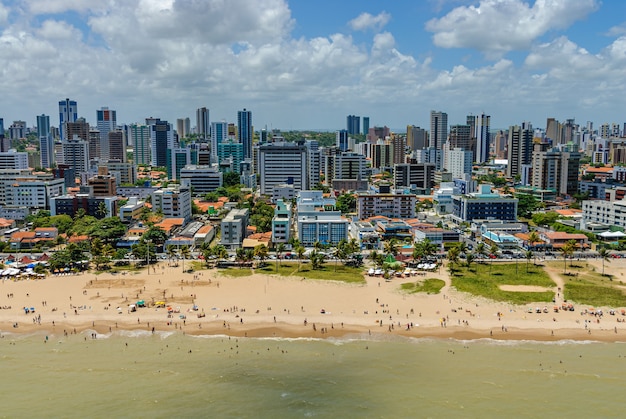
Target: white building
[
  {"x": 459, "y": 162},
  {"x": 76, "y": 154},
  {"x": 202, "y": 179},
  {"x": 281, "y": 163},
  {"x": 14, "y": 160},
  {"x": 139, "y": 139},
  {"x": 605, "y": 212},
  {"x": 233, "y": 228},
  {"x": 317, "y": 220},
  {"x": 132, "y": 209},
  {"x": 32, "y": 193},
  {"x": 173, "y": 202},
  {"x": 388, "y": 205},
  {"x": 443, "y": 198},
  {"x": 283, "y": 192}
]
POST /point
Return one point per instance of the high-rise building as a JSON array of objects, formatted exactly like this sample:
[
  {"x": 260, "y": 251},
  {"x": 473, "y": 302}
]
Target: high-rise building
[
  {"x": 230, "y": 155},
  {"x": 161, "y": 139},
  {"x": 399, "y": 146},
  {"x": 106, "y": 122},
  {"x": 17, "y": 130},
  {"x": 94, "y": 141},
  {"x": 555, "y": 169},
  {"x": 420, "y": 175},
  {"x": 341, "y": 140},
  {"x": 244, "y": 132},
  {"x": 46, "y": 142},
  {"x": 283, "y": 162},
  {"x": 416, "y": 137},
  {"x": 554, "y": 130},
  {"x": 76, "y": 154},
  {"x": 366, "y": 124},
  {"x": 140, "y": 141},
  {"x": 459, "y": 162},
  {"x": 483, "y": 138},
  {"x": 79, "y": 128},
  {"x": 519, "y": 149},
  {"x": 203, "y": 124},
  {"x": 117, "y": 151},
  {"x": 68, "y": 112},
  {"x": 382, "y": 154},
  {"x": 353, "y": 124},
  {"x": 219, "y": 134},
  {"x": 461, "y": 137},
  {"x": 438, "y": 134},
  {"x": 183, "y": 127},
  {"x": 177, "y": 158}
]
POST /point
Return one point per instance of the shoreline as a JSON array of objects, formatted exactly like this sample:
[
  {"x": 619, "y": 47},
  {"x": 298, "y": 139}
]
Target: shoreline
[{"x": 269, "y": 306}]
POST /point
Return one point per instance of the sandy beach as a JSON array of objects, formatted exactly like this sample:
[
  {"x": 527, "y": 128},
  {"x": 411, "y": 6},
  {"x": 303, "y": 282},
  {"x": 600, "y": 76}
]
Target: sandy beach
[{"x": 262, "y": 305}]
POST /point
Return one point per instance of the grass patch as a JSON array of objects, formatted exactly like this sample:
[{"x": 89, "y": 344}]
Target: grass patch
[
  {"x": 484, "y": 280},
  {"x": 328, "y": 272},
  {"x": 594, "y": 289},
  {"x": 429, "y": 286},
  {"x": 236, "y": 272}
]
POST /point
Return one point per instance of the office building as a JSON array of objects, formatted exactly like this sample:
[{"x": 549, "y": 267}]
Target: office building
[
  {"x": 219, "y": 134},
  {"x": 33, "y": 193},
  {"x": 318, "y": 221},
  {"x": 244, "y": 132},
  {"x": 46, "y": 141},
  {"x": 366, "y": 124},
  {"x": 125, "y": 173},
  {"x": 484, "y": 205},
  {"x": 161, "y": 139},
  {"x": 17, "y": 130},
  {"x": 419, "y": 175},
  {"x": 68, "y": 112},
  {"x": 201, "y": 178},
  {"x": 341, "y": 140},
  {"x": 203, "y": 123},
  {"x": 230, "y": 155},
  {"x": 382, "y": 154},
  {"x": 96, "y": 206},
  {"x": 177, "y": 158},
  {"x": 94, "y": 140},
  {"x": 282, "y": 162},
  {"x": 14, "y": 160},
  {"x": 106, "y": 121},
  {"x": 183, "y": 127},
  {"x": 399, "y": 148},
  {"x": 353, "y": 124}
]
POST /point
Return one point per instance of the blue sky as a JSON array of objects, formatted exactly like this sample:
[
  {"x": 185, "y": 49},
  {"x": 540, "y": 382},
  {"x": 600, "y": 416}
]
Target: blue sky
[{"x": 308, "y": 64}]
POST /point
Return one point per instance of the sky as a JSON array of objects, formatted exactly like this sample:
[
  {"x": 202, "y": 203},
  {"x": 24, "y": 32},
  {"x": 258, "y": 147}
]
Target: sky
[{"x": 307, "y": 64}]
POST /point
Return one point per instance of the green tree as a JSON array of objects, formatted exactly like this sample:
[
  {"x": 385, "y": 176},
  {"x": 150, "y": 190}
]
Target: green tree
[
  {"x": 261, "y": 252},
  {"x": 299, "y": 254},
  {"x": 185, "y": 254},
  {"x": 102, "y": 210},
  {"x": 346, "y": 203},
  {"x": 526, "y": 205},
  {"x": 604, "y": 255},
  {"x": 280, "y": 249},
  {"x": 529, "y": 255},
  {"x": 231, "y": 179}
]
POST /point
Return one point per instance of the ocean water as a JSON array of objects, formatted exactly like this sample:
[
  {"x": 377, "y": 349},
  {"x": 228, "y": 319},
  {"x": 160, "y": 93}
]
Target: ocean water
[{"x": 175, "y": 376}]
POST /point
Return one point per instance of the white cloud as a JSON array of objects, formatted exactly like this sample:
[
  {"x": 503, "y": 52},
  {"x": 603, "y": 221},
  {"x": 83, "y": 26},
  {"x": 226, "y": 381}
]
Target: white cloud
[
  {"x": 38, "y": 7},
  {"x": 4, "y": 15},
  {"x": 366, "y": 21},
  {"x": 499, "y": 26},
  {"x": 52, "y": 29}
]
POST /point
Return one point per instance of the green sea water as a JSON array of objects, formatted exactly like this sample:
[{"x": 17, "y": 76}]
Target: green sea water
[{"x": 177, "y": 376}]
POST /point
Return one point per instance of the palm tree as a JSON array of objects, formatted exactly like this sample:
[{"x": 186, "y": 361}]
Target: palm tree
[
  {"x": 469, "y": 259},
  {"x": 280, "y": 249},
  {"x": 480, "y": 249},
  {"x": 299, "y": 255},
  {"x": 240, "y": 255},
  {"x": 102, "y": 210},
  {"x": 494, "y": 249},
  {"x": 171, "y": 252},
  {"x": 185, "y": 254},
  {"x": 220, "y": 252},
  {"x": 453, "y": 257},
  {"x": 391, "y": 247},
  {"x": 604, "y": 254},
  {"x": 261, "y": 251},
  {"x": 533, "y": 237},
  {"x": 377, "y": 258},
  {"x": 567, "y": 250},
  {"x": 418, "y": 251}
]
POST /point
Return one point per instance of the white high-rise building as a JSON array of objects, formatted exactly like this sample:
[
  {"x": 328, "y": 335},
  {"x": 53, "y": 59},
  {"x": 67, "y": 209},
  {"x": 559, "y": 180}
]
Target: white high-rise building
[
  {"x": 106, "y": 122},
  {"x": 459, "y": 162},
  {"x": 46, "y": 142},
  {"x": 76, "y": 154},
  {"x": 438, "y": 133},
  {"x": 14, "y": 160},
  {"x": 283, "y": 163}
]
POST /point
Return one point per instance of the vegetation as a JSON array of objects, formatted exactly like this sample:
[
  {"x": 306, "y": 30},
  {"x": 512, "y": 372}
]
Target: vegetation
[
  {"x": 348, "y": 274},
  {"x": 346, "y": 203},
  {"x": 474, "y": 281},
  {"x": 594, "y": 289},
  {"x": 429, "y": 286}
]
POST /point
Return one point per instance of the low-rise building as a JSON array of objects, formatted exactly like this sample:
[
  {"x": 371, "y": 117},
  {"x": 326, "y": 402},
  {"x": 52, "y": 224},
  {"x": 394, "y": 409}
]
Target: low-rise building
[
  {"x": 484, "y": 205},
  {"x": 365, "y": 234},
  {"x": 233, "y": 228},
  {"x": 173, "y": 202},
  {"x": 281, "y": 222},
  {"x": 132, "y": 209},
  {"x": 605, "y": 212},
  {"x": 203, "y": 179},
  {"x": 387, "y": 205},
  {"x": 318, "y": 221}
]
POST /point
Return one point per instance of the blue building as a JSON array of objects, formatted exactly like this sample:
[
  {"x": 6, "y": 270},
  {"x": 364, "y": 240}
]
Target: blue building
[
  {"x": 484, "y": 205},
  {"x": 353, "y": 124},
  {"x": 68, "y": 112},
  {"x": 342, "y": 140},
  {"x": 161, "y": 139},
  {"x": 230, "y": 153},
  {"x": 46, "y": 142},
  {"x": 244, "y": 132}
]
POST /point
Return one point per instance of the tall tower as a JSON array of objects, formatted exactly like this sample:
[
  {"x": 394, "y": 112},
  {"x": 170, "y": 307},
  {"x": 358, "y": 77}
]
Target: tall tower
[
  {"x": 140, "y": 140},
  {"x": 353, "y": 124},
  {"x": 203, "y": 125},
  {"x": 438, "y": 135},
  {"x": 161, "y": 139},
  {"x": 341, "y": 140},
  {"x": 68, "y": 112},
  {"x": 219, "y": 134},
  {"x": 106, "y": 122},
  {"x": 244, "y": 132},
  {"x": 366, "y": 124},
  {"x": 46, "y": 143},
  {"x": 483, "y": 138}
]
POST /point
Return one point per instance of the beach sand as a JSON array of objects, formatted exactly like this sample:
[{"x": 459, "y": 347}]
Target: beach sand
[{"x": 263, "y": 305}]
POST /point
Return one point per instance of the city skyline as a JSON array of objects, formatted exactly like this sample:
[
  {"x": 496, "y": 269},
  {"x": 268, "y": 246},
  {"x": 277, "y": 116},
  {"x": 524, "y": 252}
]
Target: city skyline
[{"x": 301, "y": 65}]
